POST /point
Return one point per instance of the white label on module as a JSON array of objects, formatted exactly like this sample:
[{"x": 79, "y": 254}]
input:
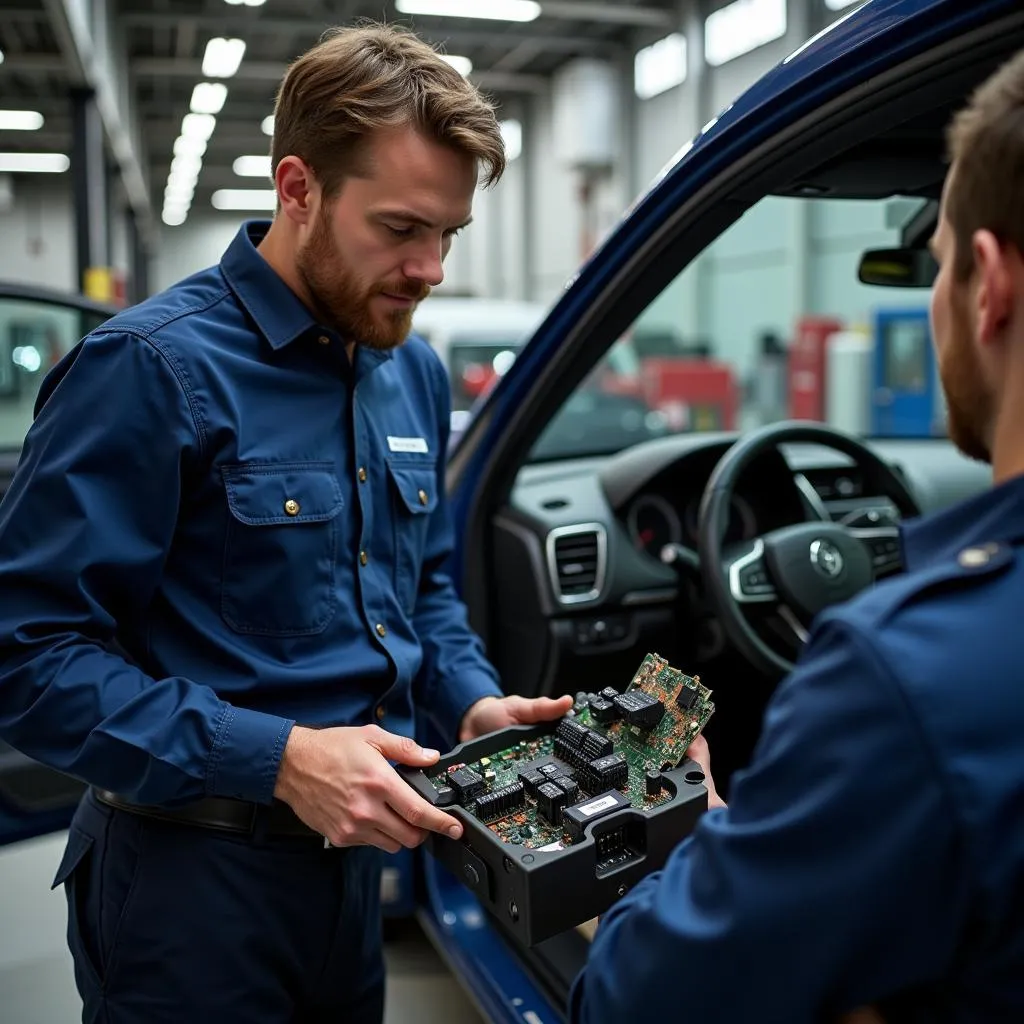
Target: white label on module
[
  {"x": 551, "y": 846},
  {"x": 596, "y": 806}
]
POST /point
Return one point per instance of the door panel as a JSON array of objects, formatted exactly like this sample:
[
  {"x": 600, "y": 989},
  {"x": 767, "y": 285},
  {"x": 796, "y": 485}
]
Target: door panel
[{"x": 37, "y": 328}]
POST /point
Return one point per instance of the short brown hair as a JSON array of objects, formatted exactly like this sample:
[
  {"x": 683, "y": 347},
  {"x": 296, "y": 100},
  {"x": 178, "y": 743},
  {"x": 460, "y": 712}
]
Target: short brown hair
[
  {"x": 359, "y": 80},
  {"x": 986, "y": 150}
]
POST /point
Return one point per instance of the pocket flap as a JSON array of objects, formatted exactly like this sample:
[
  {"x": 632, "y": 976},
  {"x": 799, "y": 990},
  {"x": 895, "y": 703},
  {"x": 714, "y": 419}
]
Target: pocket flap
[
  {"x": 277, "y": 493},
  {"x": 78, "y": 845},
  {"x": 417, "y": 485}
]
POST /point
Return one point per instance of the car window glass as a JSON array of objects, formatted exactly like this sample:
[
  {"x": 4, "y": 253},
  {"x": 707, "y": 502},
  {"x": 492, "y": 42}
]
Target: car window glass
[
  {"x": 34, "y": 336},
  {"x": 770, "y": 322}
]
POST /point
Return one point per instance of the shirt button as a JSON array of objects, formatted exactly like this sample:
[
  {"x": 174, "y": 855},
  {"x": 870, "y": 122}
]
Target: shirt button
[
  {"x": 380, "y": 712},
  {"x": 423, "y": 498},
  {"x": 381, "y": 631},
  {"x": 291, "y": 506},
  {"x": 324, "y": 340},
  {"x": 362, "y": 475},
  {"x": 363, "y": 558}
]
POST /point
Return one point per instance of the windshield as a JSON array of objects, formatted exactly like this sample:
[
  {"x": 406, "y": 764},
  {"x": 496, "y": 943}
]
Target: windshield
[
  {"x": 769, "y": 323},
  {"x": 34, "y": 336}
]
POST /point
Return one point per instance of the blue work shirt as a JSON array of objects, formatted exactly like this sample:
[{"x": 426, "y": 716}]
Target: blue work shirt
[
  {"x": 219, "y": 527},
  {"x": 873, "y": 853}
]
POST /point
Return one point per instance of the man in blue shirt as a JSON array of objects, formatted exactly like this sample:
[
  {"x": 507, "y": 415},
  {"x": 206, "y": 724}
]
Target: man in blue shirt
[
  {"x": 873, "y": 853},
  {"x": 222, "y": 570}
]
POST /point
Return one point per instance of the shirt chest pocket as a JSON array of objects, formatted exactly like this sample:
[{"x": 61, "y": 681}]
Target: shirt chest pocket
[
  {"x": 414, "y": 497},
  {"x": 280, "y": 548}
]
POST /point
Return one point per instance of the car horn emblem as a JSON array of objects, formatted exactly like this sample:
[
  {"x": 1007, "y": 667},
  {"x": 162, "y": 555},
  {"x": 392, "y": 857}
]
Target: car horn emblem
[{"x": 826, "y": 558}]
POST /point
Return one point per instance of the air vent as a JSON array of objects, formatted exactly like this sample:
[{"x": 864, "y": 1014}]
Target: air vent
[{"x": 576, "y": 560}]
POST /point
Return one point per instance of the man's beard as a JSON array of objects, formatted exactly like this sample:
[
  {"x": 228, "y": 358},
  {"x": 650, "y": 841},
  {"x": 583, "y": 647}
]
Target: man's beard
[
  {"x": 969, "y": 401},
  {"x": 343, "y": 302}
]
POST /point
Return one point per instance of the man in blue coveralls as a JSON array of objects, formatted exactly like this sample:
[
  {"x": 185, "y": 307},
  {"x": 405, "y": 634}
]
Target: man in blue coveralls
[
  {"x": 222, "y": 583},
  {"x": 873, "y": 853}
]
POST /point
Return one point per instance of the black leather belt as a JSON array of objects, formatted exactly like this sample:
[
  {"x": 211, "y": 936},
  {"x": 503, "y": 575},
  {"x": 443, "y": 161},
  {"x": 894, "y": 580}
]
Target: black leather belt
[{"x": 221, "y": 813}]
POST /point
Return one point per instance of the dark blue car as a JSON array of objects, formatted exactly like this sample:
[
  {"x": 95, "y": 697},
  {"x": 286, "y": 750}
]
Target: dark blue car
[{"x": 584, "y": 548}]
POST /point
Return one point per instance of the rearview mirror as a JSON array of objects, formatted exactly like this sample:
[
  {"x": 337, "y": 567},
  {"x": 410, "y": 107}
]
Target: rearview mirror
[{"x": 898, "y": 268}]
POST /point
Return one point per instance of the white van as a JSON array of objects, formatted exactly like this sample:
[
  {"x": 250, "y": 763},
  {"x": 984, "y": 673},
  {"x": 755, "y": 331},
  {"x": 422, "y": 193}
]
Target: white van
[{"x": 477, "y": 340}]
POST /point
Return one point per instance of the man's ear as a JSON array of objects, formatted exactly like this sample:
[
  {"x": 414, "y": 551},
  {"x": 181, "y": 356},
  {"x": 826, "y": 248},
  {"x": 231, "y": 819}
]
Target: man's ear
[
  {"x": 994, "y": 300},
  {"x": 298, "y": 192}
]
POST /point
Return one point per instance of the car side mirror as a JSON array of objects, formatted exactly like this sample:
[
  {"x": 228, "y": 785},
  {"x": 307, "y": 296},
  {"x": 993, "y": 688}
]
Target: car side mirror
[{"x": 898, "y": 268}]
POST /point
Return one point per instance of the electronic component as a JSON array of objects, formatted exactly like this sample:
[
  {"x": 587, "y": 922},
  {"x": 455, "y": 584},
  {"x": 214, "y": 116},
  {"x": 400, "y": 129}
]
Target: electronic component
[
  {"x": 570, "y": 787},
  {"x": 500, "y": 801},
  {"x": 640, "y": 708},
  {"x": 609, "y": 693},
  {"x": 652, "y": 782},
  {"x": 466, "y": 784},
  {"x": 687, "y": 697},
  {"x": 446, "y": 796},
  {"x": 550, "y": 801},
  {"x": 548, "y": 770},
  {"x": 608, "y": 772},
  {"x": 596, "y": 745},
  {"x": 572, "y": 731},
  {"x": 576, "y": 818},
  {"x": 603, "y": 710}
]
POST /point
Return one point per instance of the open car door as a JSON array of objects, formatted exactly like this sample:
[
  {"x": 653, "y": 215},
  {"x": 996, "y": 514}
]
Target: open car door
[{"x": 37, "y": 327}]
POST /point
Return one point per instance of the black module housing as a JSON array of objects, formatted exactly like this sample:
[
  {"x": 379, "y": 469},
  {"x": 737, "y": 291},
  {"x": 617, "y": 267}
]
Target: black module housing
[
  {"x": 640, "y": 709},
  {"x": 538, "y": 893},
  {"x": 686, "y": 697}
]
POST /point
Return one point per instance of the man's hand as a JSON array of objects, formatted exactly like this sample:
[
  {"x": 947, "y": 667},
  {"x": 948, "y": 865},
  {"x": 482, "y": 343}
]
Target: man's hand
[
  {"x": 339, "y": 782},
  {"x": 701, "y": 753},
  {"x": 493, "y": 713}
]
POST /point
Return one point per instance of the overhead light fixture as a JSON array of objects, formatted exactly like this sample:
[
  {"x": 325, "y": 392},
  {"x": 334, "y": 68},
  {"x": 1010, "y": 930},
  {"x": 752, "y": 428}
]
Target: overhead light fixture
[
  {"x": 33, "y": 163},
  {"x": 186, "y": 166},
  {"x": 246, "y": 3},
  {"x": 660, "y": 66},
  {"x": 208, "y": 98},
  {"x": 461, "y": 64},
  {"x": 267, "y": 125},
  {"x": 512, "y": 136},
  {"x": 222, "y": 57},
  {"x": 1, "y": 56},
  {"x": 174, "y": 216},
  {"x": 252, "y": 167},
  {"x": 244, "y": 199},
  {"x": 20, "y": 120},
  {"x": 838, "y": 5},
  {"x": 185, "y": 146},
  {"x": 198, "y": 126},
  {"x": 492, "y": 10}
]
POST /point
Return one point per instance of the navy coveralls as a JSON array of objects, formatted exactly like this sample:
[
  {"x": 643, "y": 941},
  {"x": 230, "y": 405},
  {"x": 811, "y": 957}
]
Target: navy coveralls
[
  {"x": 220, "y": 527},
  {"x": 873, "y": 853}
]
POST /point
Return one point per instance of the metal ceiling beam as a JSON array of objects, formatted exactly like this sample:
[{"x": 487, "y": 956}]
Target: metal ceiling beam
[
  {"x": 34, "y": 64},
  {"x": 86, "y": 66},
  {"x": 311, "y": 30},
  {"x": 273, "y": 71}
]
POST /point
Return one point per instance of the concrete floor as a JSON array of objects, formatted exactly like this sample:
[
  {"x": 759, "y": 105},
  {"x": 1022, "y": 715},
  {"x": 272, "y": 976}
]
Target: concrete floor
[{"x": 37, "y": 985}]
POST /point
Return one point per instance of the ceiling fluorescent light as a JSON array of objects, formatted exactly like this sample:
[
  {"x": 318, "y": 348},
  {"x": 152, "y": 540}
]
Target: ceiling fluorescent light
[
  {"x": 252, "y": 167},
  {"x": 461, "y": 64},
  {"x": 838, "y": 5},
  {"x": 174, "y": 216},
  {"x": 660, "y": 66},
  {"x": 247, "y": 3},
  {"x": 267, "y": 125},
  {"x": 33, "y": 163},
  {"x": 244, "y": 199},
  {"x": 198, "y": 126},
  {"x": 185, "y": 146},
  {"x": 208, "y": 98},
  {"x": 21, "y": 120},
  {"x": 1, "y": 56},
  {"x": 512, "y": 136},
  {"x": 222, "y": 57},
  {"x": 492, "y": 10}
]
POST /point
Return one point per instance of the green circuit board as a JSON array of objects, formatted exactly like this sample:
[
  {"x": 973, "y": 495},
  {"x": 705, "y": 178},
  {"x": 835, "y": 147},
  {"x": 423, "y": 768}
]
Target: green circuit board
[{"x": 645, "y": 746}]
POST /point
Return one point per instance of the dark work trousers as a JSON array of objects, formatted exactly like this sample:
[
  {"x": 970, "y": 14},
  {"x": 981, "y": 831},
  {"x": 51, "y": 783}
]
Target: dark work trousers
[{"x": 176, "y": 923}]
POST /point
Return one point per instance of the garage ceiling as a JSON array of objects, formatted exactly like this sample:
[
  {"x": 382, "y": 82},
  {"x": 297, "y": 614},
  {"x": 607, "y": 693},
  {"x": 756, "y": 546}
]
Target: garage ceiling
[{"x": 165, "y": 42}]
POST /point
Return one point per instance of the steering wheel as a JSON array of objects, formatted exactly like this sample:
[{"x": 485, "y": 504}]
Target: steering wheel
[{"x": 799, "y": 570}]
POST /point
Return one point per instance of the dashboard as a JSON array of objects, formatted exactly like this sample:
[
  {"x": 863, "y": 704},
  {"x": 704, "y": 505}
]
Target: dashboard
[{"x": 578, "y": 547}]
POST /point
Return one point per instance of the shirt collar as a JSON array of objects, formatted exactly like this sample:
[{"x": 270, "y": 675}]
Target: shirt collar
[
  {"x": 995, "y": 515},
  {"x": 279, "y": 313}
]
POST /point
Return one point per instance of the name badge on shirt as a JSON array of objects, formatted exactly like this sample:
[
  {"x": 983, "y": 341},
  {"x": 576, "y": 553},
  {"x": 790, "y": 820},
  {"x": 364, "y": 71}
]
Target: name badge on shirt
[{"x": 408, "y": 444}]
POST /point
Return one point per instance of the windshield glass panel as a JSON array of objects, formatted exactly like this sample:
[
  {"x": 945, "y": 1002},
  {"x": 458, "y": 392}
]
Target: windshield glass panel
[
  {"x": 34, "y": 336},
  {"x": 769, "y": 323}
]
